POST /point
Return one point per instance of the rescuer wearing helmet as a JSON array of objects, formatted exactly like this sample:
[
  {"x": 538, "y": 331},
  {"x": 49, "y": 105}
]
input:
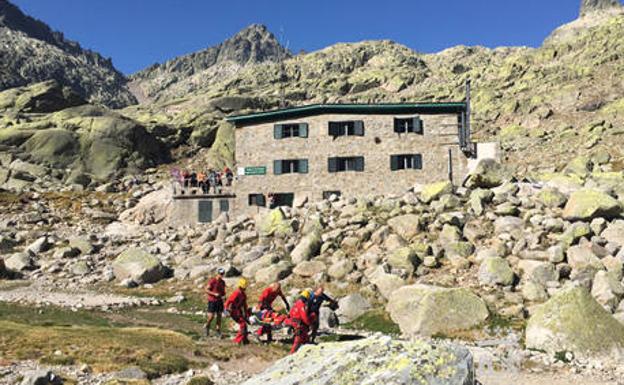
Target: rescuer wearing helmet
[
  {"x": 300, "y": 320},
  {"x": 265, "y": 302},
  {"x": 236, "y": 305}
]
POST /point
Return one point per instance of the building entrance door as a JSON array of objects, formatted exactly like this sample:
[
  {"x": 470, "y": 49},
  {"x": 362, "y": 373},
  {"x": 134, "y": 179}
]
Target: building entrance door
[
  {"x": 283, "y": 199},
  {"x": 204, "y": 214}
]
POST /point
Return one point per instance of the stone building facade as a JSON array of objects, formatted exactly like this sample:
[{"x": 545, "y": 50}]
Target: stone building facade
[{"x": 312, "y": 152}]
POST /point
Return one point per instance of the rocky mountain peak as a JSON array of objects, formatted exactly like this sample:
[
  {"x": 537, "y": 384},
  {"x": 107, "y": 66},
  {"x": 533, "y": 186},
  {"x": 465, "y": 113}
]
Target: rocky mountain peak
[
  {"x": 253, "y": 44},
  {"x": 589, "y": 6}
]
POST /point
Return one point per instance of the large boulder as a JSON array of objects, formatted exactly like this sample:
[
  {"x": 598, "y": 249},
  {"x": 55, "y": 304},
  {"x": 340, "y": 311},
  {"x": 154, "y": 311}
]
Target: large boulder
[
  {"x": 573, "y": 321},
  {"x": 274, "y": 272},
  {"x": 406, "y": 226},
  {"x": 430, "y": 310},
  {"x": 40, "y": 377},
  {"x": 153, "y": 208},
  {"x": 138, "y": 265},
  {"x": 351, "y": 307},
  {"x": 385, "y": 283},
  {"x": 307, "y": 247},
  {"x": 374, "y": 360},
  {"x": 434, "y": 191},
  {"x": 487, "y": 173},
  {"x": 309, "y": 268},
  {"x": 615, "y": 232},
  {"x": 404, "y": 258},
  {"x": 495, "y": 271},
  {"x": 273, "y": 222},
  {"x": 19, "y": 262},
  {"x": 588, "y": 204},
  {"x": 250, "y": 270}
]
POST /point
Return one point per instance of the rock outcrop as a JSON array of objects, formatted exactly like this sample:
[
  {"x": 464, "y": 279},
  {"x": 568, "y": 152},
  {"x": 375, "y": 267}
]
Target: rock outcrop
[
  {"x": 139, "y": 266},
  {"x": 31, "y": 52},
  {"x": 573, "y": 321},
  {"x": 589, "y": 6},
  {"x": 428, "y": 310},
  {"x": 373, "y": 360}
]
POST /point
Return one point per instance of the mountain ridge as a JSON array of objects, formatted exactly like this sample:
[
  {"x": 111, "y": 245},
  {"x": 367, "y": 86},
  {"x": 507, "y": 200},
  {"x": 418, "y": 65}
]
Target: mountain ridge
[{"x": 31, "y": 52}]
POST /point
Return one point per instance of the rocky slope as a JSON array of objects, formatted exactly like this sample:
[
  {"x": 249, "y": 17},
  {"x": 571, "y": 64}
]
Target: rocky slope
[
  {"x": 31, "y": 52},
  {"x": 185, "y": 74},
  {"x": 50, "y": 136},
  {"x": 538, "y": 102}
]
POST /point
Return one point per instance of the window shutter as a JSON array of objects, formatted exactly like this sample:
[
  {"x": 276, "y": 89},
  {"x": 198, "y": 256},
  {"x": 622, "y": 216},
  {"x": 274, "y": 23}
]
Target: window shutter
[
  {"x": 303, "y": 130},
  {"x": 277, "y": 167},
  {"x": 333, "y": 129},
  {"x": 397, "y": 126},
  {"x": 394, "y": 162},
  {"x": 358, "y": 127},
  {"x": 278, "y": 130},
  {"x": 418, "y": 125},
  {"x": 260, "y": 200},
  {"x": 332, "y": 164},
  {"x": 303, "y": 166},
  {"x": 359, "y": 163},
  {"x": 417, "y": 162}
]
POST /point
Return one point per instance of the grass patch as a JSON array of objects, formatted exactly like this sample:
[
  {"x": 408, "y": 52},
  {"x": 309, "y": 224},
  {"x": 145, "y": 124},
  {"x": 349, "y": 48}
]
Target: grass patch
[
  {"x": 51, "y": 316},
  {"x": 200, "y": 380},
  {"x": 155, "y": 351},
  {"x": 376, "y": 320}
]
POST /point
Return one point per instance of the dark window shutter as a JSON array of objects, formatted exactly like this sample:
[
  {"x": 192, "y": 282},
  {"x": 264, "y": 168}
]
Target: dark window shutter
[
  {"x": 303, "y": 130},
  {"x": 260, "y": 200},
  {"x": 303, "y": 166},
  {"x": 278, "y": 130},
  {"x": 277, "y": 167},
  {"x": 398, "y": 128},
  {"x": 359, "y": 163},
  {"x": 333, "y": 129},
  {"x": 418, "y": 125},
  {"x": 417, "y": 162},
  {"x": 358, "y": 128},
  {"x": 394, "y": 162},
  {"x": 332, "y": 164}
]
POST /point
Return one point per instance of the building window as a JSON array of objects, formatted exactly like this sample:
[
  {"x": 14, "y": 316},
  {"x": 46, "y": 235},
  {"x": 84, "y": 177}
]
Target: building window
[
  {"x": 407, "y": 125},
  {"x": 350, "y": 128},
  {"x": 224, "y": 205},
  {"x": 290, "y": 130},
  {"x": 352, "y": 163},
  {"x": 404, "y": 162},
  {"x": 281, "y": 199},
  {"x": 256, "y": 200},
  {"x": 328, "y": 194},
  {"x": 290, "y": 166}
]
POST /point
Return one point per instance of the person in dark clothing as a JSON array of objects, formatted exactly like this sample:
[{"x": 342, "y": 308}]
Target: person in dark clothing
[
  {"x": 215, "y": 291},
  {"x": 314, "y": 309}
]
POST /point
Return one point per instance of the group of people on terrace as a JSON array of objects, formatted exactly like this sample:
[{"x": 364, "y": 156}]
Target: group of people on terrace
[
  {"x": 302, "y": 318},
  {"x": 211, "y": 180}
]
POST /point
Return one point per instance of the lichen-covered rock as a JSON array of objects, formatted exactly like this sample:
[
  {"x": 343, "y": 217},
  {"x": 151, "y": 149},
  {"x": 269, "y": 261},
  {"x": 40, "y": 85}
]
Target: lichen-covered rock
[
  {"x": 309, "y": 268},
  {"x": 495, "y": 271},
  {"x": 487, "y": 173},
  {"x": 371, "y": 361},
  {"x": 573, "y": 321},
  {"x": 607, "y": 290},
  {"x": 406, "y": 226},
  {"x": 385, "y": 283},
  {"x": 274, "y": 272},
  {"x": 273, "y": 222},
  {"x": 430, "y": 310},
  {"x": 19, "y": 262},
  {"x": 551, "y": 197},
  {"x": 434, "y": 191},
  {"x": 138, "y": 265},
  {"x": 307, "y": 247},
  {"x": 588, "y": 204},
  {"x": 351, "y": 307},
  {"x": 615, "y": 232},
  {"x": 340, "y": 269},
  {"x": 404, "y": 258}
]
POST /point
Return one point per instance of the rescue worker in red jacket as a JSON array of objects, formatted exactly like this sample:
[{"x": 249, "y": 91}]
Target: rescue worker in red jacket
[
  {"x": 236, "y": 305},
  {"x": 300, "y": 321},
  {"x": 265, "y": 302}
]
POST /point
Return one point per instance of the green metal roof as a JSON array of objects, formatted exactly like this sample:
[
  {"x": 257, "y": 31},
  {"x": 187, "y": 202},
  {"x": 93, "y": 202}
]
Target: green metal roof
[{"x": 318, "y": 109}]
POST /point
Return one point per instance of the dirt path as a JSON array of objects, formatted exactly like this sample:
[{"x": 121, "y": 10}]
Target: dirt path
[{"x": 40, "y": 295}]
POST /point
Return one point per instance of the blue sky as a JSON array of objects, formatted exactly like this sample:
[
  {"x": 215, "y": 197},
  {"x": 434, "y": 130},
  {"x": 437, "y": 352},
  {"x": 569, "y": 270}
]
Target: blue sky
[{"x": 137, "y": 33}]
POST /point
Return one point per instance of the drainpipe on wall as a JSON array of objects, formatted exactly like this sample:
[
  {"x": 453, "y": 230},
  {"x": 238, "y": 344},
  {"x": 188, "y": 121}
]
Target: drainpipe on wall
[{"x": 450, "y": 165}]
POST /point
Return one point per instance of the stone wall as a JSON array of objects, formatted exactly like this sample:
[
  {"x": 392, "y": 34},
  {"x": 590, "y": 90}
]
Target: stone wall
[{"x": 256, "y": 146}]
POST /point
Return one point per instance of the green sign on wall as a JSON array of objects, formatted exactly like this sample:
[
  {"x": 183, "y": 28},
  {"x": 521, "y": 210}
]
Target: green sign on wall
[{"x": 260, "y": 170}]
